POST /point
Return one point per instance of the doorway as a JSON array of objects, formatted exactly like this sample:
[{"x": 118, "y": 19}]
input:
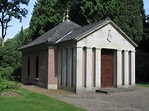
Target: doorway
[{"x": 106, "y": 68}]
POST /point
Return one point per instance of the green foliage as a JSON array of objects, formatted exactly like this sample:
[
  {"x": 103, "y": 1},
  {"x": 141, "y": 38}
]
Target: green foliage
[
  {"x": 144, "y": 44},
  {"x": 6, "y": 79},
  {"x": 10, "y": 59},
  {"x": 6, "y": 73},
  {"x": 144, "y": 85},
  {"x": 46, "y": 14},
  {"x": 128, "y": 15},
  {"x": 8, "y": 10},
  {"x": 6, "y": 84},
  {"x": 22, "y": 38},
  {"x": 9, "y": 55},
  {"x": 142, "y": 64},
  {"x": 87, "y": 11}
]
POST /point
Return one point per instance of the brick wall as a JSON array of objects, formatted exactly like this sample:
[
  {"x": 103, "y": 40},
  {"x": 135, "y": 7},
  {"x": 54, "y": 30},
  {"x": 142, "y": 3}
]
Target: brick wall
[{"x": 42, "y": 68}]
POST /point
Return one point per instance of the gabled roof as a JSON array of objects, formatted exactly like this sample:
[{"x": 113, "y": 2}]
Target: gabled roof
[
  {"x": 54, "y": 34},
  {"x": 69, "y": 30}
]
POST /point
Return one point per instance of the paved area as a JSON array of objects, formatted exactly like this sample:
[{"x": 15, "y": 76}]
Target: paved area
[{"x": 137, "y": 100}]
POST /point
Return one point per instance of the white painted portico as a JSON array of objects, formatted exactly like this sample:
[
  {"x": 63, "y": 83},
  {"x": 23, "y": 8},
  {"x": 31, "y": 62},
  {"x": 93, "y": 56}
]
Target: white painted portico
[{"x": 124, "y": 57}]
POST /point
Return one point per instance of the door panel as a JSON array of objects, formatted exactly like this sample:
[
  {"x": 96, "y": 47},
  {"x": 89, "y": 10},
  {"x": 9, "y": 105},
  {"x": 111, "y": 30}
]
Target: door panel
[{"x": 106, "y": 68}]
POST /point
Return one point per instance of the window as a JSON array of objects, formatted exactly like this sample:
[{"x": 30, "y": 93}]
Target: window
[
  {"x": 28, "y": 66},
  {"x": 37, "y": 66}
]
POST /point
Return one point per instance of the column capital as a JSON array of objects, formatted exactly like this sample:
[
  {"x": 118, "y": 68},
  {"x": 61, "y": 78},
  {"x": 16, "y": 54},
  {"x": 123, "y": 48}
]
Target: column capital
[
  {"x": 126, "y": 50},
  {"x": 133, "y": 51},
  {"x": 98, "y": 48},
  {"x": 119, "y": 49}
]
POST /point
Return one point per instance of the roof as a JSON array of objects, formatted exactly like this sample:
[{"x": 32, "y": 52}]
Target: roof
[
  {"x": 54, "y": 34},
  {"x": 69, "y": 30}
]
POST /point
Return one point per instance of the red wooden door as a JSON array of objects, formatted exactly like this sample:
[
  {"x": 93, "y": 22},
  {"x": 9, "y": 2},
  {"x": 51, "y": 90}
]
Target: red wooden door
[{"x": 106, "y": 68}]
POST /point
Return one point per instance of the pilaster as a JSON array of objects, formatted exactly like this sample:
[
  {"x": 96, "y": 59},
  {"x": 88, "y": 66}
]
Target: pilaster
[
  {"x": 79, "y": 70},
  {"x": 119, "y": 68},
  {"x": 98, "y": 68},
  {"x": 126, "y": 68},
  {"x": 89, "y": 68},
  {"x": 132, "y": 67}
]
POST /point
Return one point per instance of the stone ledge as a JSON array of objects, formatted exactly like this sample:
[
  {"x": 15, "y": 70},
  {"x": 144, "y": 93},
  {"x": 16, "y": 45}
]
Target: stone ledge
[{"x": 113, "y": 90}]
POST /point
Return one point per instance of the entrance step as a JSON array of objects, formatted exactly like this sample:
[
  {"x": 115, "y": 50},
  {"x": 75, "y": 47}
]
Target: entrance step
[{"x": 113, "y": 90}]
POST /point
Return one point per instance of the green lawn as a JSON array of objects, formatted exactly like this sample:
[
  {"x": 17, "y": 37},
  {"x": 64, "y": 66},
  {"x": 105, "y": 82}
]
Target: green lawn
[
  {"x": 144, "y": 85},
  {"x": 30, "y": 101}
]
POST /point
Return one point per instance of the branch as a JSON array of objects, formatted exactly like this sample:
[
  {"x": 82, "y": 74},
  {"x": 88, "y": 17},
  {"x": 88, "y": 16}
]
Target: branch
[{"x": 6, "y": 25}]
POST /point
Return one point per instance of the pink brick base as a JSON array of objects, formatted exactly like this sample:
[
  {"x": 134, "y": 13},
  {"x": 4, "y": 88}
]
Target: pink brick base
[{"x": 52, "y": 65}]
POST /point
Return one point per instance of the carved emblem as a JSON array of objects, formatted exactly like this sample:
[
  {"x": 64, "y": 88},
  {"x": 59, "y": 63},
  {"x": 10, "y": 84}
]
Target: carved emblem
[{"x": 109, "y": 38}]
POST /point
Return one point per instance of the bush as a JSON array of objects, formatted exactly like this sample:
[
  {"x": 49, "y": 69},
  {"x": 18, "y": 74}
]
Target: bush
[
  {"x": 6, "y": 84},
  {"x": 142, "y": 75},
  {"x": 6, "y": 73},
  {"x": 6, "y": 78}
]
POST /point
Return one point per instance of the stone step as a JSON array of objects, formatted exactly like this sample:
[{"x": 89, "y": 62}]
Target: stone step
[{"x": 113, "y": 90}]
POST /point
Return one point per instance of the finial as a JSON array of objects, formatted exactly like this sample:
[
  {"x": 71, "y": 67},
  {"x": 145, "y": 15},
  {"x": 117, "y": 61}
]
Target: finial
[
  {"x": 66, "y": 16},
  {"x": 107, "y": 18}
]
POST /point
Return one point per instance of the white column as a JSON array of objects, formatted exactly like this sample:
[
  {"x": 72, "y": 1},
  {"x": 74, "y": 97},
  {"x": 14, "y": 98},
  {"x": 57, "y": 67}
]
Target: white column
[
  {"x": 133, "y": 68},
  {"x": 119, "y": 68},
  {"x": 89, "y": 69},
  {"x": 59, "y": 67},
  {"x": 69, "y": 65},
  {"x": 98, "y": 68},
  {"x": 64, "y": 68},
  {"x": 79, "y": 70},
  {"x": 126, "y": 68}
]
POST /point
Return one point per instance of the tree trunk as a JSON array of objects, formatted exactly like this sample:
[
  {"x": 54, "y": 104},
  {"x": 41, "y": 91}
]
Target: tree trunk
[{"x": 3, "y": 42}]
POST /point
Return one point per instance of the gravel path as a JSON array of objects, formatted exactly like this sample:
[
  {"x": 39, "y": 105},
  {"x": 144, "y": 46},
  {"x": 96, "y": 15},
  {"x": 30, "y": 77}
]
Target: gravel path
[{"x": 137, "y": 100}]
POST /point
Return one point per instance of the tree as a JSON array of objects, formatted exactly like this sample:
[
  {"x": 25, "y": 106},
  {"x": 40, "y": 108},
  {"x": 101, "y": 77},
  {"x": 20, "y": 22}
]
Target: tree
[
  {"x": 144, "y": 44},
  {"x": 128, "y": 14},
  {"x": 22, "y": 38},
  {"x": 45, "y": 16},
  {"x": 130, "y": 18},
  {"x": 84, "y": 12},
  {"x": 8, "y": 10}
]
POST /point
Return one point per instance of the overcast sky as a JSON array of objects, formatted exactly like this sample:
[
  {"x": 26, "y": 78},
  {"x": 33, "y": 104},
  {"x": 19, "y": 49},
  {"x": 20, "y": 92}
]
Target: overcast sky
[{"x": 16, "y": 25}]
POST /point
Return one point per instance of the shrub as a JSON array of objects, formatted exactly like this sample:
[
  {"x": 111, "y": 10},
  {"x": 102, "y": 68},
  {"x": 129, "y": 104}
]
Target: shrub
[
  {"x": 6, "y": 73},
  {"x": 5, "y": 84},
  {"x": 6, "y": 78}
]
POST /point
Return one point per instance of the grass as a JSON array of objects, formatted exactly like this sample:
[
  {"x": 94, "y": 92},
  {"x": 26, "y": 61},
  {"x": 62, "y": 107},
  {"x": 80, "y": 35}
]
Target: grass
[
  {"x": 30, "y": 101},
  {"x": 144, "y": 85}
]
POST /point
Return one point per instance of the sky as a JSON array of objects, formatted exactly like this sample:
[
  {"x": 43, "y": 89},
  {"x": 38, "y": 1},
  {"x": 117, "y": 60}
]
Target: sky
[{"x": 16, "y": 25}]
